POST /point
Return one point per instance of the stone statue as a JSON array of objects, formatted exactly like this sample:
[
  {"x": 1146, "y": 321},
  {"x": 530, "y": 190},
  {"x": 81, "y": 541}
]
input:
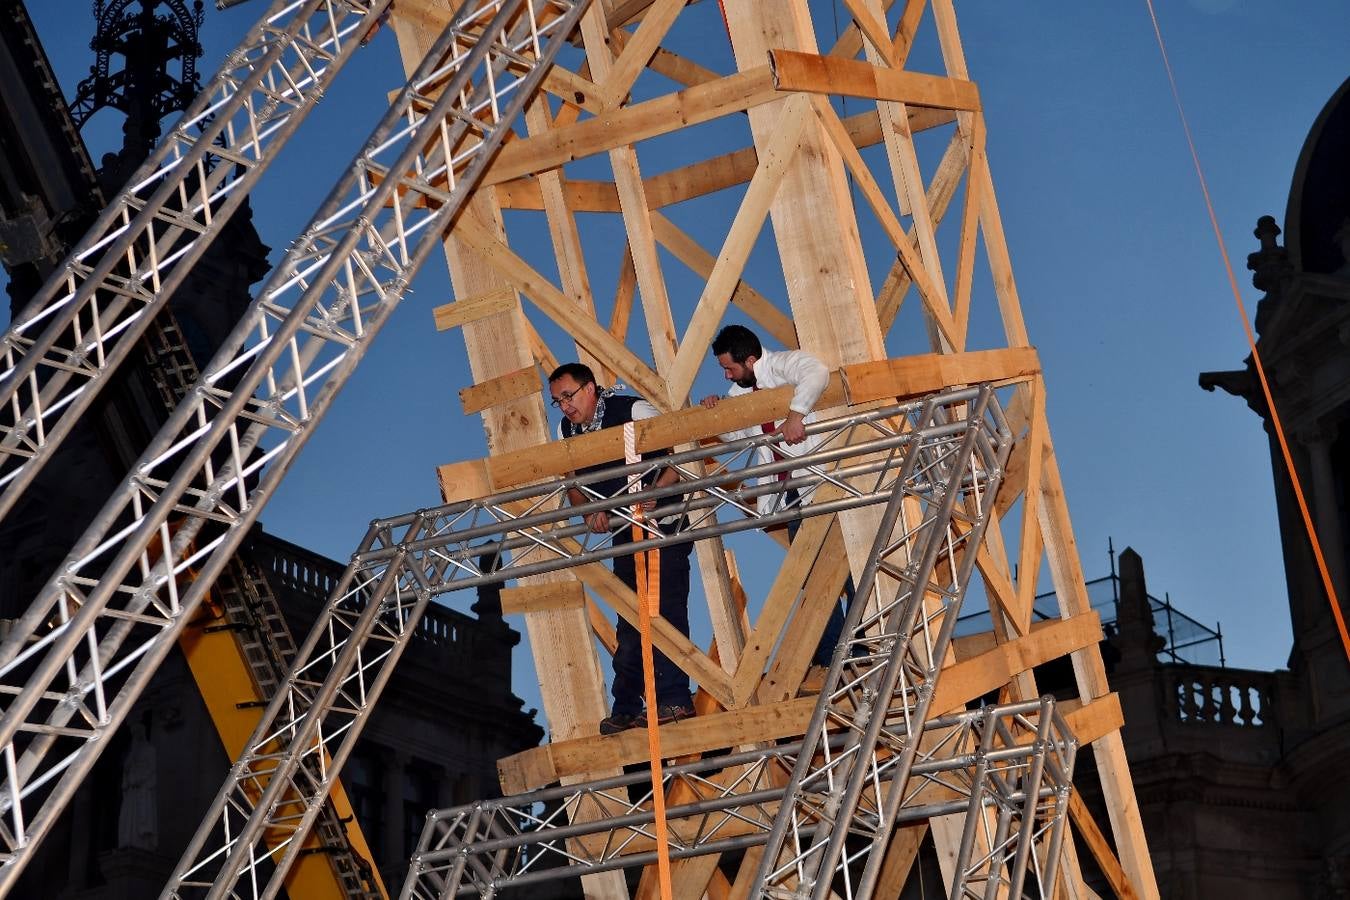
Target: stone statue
[{"x": 138, "y": 818}]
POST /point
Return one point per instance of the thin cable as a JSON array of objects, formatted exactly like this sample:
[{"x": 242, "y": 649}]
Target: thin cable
[{"x": 1251, "y": 343}]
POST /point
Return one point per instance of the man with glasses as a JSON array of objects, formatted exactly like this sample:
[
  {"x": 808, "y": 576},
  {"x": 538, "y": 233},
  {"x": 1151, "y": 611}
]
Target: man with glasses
[{"x": 588, "y": 407}]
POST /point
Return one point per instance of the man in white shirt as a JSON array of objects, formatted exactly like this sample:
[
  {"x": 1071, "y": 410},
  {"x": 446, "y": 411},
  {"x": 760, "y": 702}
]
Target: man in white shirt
[{"x": 749, "y": 367}]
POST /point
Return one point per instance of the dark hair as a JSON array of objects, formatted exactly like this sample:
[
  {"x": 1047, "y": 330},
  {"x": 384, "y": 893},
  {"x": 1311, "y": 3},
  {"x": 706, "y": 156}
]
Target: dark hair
[
  {"x": 580, "y": 372},
  {"x": 739, "y": 341}
]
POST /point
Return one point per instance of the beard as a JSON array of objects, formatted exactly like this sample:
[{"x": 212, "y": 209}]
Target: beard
[{"x": 747, "y": 382}]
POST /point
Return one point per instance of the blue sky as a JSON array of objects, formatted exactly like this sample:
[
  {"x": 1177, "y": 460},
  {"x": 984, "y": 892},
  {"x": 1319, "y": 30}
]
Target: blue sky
[{"x": 1121, "y": 282}]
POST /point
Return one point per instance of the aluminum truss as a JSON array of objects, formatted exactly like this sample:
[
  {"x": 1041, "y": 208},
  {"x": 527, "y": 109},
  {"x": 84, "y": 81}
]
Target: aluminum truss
[
  {"x": 251, "y": 611},
  {"x": 59, "y": 350},
  {"x": 1011, "y": 763},
  {"x": 312, "y": 724},
  {"x": 83, "y": 651},
  {"x": 885, "y": 669}
]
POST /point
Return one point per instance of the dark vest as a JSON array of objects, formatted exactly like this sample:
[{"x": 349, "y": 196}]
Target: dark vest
[{"x": 618, "y": 411}]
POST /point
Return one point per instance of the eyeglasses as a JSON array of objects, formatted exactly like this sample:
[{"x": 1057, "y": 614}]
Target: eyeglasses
[{"x": 566, "y": 397}]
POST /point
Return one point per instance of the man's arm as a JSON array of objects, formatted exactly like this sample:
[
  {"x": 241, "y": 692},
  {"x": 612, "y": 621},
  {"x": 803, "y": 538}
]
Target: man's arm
[
  {"x": 809, "y": 378},
  {"x": 644, "y": 410}
]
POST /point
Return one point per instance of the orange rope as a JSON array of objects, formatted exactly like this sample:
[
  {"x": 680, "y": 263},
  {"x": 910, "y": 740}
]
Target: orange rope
[
  {"x": 649, "y": 602},
  {"x": 1251, "y": 343}
]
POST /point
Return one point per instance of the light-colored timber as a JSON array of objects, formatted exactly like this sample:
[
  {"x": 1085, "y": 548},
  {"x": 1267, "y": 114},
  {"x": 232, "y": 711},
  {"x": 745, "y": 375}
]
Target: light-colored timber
[{"x": 823, "y": 188}]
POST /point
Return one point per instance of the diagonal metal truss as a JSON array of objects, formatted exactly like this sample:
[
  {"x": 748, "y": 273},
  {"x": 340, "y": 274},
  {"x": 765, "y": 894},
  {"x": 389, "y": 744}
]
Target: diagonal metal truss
[
  {"x": 59, "y": 350},
  {"x": 251, "y": 611},
  {"x": 1011, "y": 765},
  {"x": 310, "y": 727},
  {"x": 893, "y": 646},
  {"x": 83, "y": 651}
]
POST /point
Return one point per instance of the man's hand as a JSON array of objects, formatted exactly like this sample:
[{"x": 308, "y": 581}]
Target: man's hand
[
  {"x": 793, "y": 428},
  {"x": 598, "y": 521},
  {"x": 709, "y": 402}
]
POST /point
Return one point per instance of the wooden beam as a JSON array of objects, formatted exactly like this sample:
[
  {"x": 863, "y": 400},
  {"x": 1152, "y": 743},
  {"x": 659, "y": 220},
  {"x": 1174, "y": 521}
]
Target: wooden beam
[
  {"x": 503, "y": 388},
  {"x": 990, "y": 670},
  {"x": 793, "y": 71},
  {"x": 553, "y": 303},
  {"x": 909, "y": 376},
  {"x": 633, "y": 58},
  {"x": 560, "y": 760},
  {"x": 697, "y": 179},
  {"x": 934, "y": 300},
  {"x": 471, "y": 309},
  {"x": 817, "y": 533},
  {"x": 1100, "y": 848},
  {"x": 530, "y": 598},
  {"x": 968, "y": 680},
  {"x": 631, "y": 124}
]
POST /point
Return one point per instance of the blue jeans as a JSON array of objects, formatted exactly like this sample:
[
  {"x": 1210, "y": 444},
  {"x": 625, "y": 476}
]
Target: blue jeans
[{"x": 672, "y": 685}]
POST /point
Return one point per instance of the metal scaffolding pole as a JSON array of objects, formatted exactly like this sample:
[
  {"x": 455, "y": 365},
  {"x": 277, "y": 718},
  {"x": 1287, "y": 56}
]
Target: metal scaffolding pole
[
  {"x": 58, "y": 351},
  {"x": 312, "y": 724},
  {"x": 83, "y": 651}
]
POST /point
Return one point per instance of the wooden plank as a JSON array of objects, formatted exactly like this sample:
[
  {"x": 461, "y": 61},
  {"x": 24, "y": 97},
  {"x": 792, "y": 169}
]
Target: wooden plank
[
  {"x": 631, "y": 124},
  {"x": 822, "y": 589},
  {"x": 471, "y": 309},
  {"x": 553, "y": 762},
  {"x": 959, "y": 684},
  {"x": 816, "y": 533},
  {"x": 988, "y": 671},
  {"x": 530, "y": 598},
  {"x": 795, "y": 71},
  {"x": 562, "y": 229},
  {"x": 1100, "y": 848},
  {"x": 678, "y": 648},
  {"x": 498, "y": 390},
  {"x": 462, "y": 481},
  {"x": 878, "y": 36},
  {"x": 633, "y": 202},
  {"x": 911, "y": 376}
]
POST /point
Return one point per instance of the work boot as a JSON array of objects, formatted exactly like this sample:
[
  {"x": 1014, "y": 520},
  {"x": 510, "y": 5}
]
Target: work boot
[
  {"x": 617, "y": 722},
  {"x": 667, "y": 713}
]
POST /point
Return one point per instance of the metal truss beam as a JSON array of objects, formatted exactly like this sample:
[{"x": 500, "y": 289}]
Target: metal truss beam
[
  {"x": 83, "y": 651},
  {"x": 1011, "y": 764},
  {"x": 311, "y": 726},
  {"x": 58, "y": 351},
  {"x": 850, "y": 776},
  {"x": 892, "y": 646}
]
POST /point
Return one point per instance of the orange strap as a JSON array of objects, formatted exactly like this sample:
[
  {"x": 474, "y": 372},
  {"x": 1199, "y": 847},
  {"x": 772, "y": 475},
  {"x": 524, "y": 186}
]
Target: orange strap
[
  {"x": 1256, "y": 356},
  {"x": 648, "y": 566},
  {"x": 649, "y": 602}
]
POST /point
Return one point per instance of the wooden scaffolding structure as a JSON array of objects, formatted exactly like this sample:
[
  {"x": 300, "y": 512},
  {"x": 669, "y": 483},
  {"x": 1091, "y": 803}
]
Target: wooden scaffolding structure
[{"x": 912, "y": 167}]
